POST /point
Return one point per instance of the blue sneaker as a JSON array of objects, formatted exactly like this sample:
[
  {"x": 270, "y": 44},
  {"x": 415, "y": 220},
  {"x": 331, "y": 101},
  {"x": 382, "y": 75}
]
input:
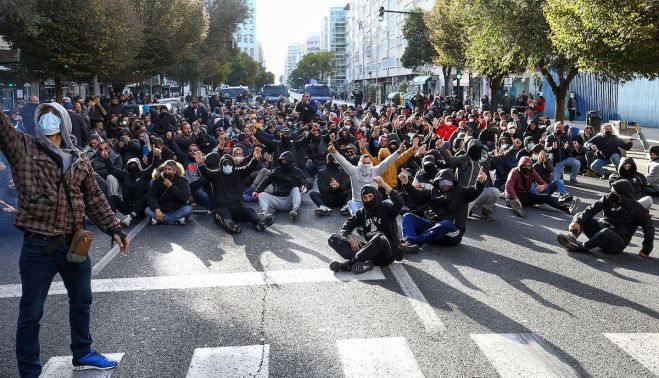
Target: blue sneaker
[{"x": 96, "y": 361}]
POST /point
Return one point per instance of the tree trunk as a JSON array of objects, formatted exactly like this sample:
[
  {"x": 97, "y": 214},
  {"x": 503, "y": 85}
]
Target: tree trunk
[
  {"x": 560, "y": 89},
  {"x": 447, "y": 77},
  {"x": 194, "y": 88},
  {"x": 58, "y": 90},
  {"x": 495, "y": 86}
]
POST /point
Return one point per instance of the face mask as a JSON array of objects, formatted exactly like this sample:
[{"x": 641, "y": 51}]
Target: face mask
[
  {"x": 475, "y": 153},
  {"x": 614, "y": 198},
  {"x": 525, "y": 170},
  {"x": 376, "y": 143},
  {"x": 534, "y": 157},
  {"x": 49, "y": 124},
  {"x": 238, "y": 159},
  {"x": 227, "y": 169},
  {"x": 449, "y": 123},
  {"x": 365, "y": 169},
  {"x": 370, "y": 206},
  {"x": 286, "y": 167},
  {"x": 512, "y": 131},
  {"x": 608, "y": 133},
  {"x": 530, "y": 146},
  {"x": 505, "y": 146}
]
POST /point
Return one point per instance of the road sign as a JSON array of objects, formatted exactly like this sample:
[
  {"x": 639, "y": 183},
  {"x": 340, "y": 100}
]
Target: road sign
[
  {"x": 9, "y": 56},
  {"x": 410, "y": 82},
  {"x": 508, "y": 82}
]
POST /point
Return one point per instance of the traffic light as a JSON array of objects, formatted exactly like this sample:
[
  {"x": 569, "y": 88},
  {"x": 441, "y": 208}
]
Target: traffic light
[
  {"x": 11, "y": 85},
  {"x": 66, "y": 66},
  {"x": 381, "y": 14},
  {"x": 458, "y": 75}
]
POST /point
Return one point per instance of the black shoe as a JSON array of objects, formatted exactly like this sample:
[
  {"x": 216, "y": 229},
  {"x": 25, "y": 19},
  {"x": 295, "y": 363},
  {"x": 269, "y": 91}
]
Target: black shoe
[
  {"x": 230, "y": 226},
  {"x": 344, "y": 211},
  {"x": 336, "y": 266},
  {"x": 362, "y": 267},
  {"x": 569, "y": 242},
  {"x": 517, "y": 209},
  {"x": 265, "y": 222},
  {"x": 293, "y": 214},
  {"x": 487, "y": 214},
  {"x": 565, "y": 198},
  {"x": 574, "y": 207},
  {"x": 409, "y": 248}
]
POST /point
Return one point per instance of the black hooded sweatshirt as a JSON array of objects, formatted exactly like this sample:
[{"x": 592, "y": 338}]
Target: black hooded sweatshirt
[
  {"x": 451, "y": 205},
  {"x": 624, "y": 218},
  {"x": 283, "y": 179},
  {"x": 381, "y": 219},
  {"x": 333, "y": 171},
  {"x": 638, "y": 180},
  {"x": 228, "y": 188}
]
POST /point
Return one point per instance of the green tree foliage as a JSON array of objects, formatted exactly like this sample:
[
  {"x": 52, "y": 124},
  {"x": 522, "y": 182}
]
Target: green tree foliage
[
  {"x": 618, "y": 39},
  {"x": 447, "y": 33},
  {"x": 316, "y": 66},
  {"x": 51, "y": 49},
  {"x": 419, "y": 50},
  {"x": 243, "y": 70},
  {"x": 296, "y": 79}
]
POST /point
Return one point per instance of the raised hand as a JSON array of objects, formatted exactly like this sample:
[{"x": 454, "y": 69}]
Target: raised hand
[
  {"x": 257, "y": 153},
  {"x": 199, "y": 157},
  {"x": 403, "y": 177},
  {"x": 331, "y": 148},
  {"x": 482, "y": 176}
]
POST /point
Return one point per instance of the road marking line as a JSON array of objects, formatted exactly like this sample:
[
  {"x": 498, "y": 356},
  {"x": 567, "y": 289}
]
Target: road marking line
[
  {"x": 423, "y": 309},
  {"x": 643, "y": 347},
  {"x": 521, "y": 355},
  {"x": 61, "y": 367},
  {"x": 210, "y": 280},
  {"x": 96, "y": 269},
  {"x": 378, "y": 358},
  {"x": 230, "y": 362}
]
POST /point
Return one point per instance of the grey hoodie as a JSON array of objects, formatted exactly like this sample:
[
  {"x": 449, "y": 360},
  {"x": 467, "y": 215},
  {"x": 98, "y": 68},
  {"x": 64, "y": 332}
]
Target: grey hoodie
[
  {"x": 362, "y": 174},
  {"x": 66, "y": 153}
]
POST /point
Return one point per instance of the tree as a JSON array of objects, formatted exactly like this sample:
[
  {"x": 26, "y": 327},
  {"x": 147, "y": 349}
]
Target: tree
[
  {"x": 296, "y": 79},
  {"x": 316, "y": 66},
  {"x": 418, "y": 51},
  {"x": 618, "y": 39},
  {"x": 42, "y": 31},
  {"x": 447, "y": 35}
]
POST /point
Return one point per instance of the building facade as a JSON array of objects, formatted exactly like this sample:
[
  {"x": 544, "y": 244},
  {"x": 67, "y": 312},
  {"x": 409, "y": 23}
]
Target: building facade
[
  {"x": 293, "y": 56},
  {"x": 311, "y": 45},
  {"x": 245, "y": 34},
  {"x": 337, "y": 42}
]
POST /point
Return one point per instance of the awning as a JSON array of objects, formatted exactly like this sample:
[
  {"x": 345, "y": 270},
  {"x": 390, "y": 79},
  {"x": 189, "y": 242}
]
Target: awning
[{"x": 420, "y": 80}]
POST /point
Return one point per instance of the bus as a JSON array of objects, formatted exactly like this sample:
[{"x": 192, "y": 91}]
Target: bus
[
  {"x": 270, "y": 93},
  {"x": 318, "y": 92}
]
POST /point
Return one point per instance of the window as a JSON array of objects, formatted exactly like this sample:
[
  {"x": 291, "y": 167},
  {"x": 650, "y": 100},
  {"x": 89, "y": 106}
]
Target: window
[
  {"x": 251, "y": 51},
  {"x": 239, "y": 37}
]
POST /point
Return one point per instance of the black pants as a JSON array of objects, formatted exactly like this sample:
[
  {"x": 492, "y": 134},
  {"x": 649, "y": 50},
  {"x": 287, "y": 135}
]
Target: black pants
[
  {"x": 330, "y": 200},
  {"x": 116, "y": 203},
  {"x": 606, "y": 239},
  {"x": 571, "y": 113},
  {"x": 529, "y": 199},
  {"x": 377, "y": 249},
  {"x": 238, "y": 214}
]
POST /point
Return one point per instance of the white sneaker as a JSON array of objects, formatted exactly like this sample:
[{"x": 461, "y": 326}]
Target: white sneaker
[
  {"x": 182, "y": 221},
  {"x": 126, "y": 221}
]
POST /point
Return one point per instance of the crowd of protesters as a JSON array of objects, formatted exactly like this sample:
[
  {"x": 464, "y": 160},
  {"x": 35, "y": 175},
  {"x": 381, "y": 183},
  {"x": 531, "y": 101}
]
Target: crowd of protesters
[{"x": 437, "y": 164}]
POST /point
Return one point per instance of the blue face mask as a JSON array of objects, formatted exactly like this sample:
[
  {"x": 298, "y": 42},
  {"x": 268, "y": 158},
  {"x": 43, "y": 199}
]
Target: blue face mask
[
  {"x": 376, "y": 143},
  {"x": 49, "y": 124},
  {"x": 227, "y": 169}
]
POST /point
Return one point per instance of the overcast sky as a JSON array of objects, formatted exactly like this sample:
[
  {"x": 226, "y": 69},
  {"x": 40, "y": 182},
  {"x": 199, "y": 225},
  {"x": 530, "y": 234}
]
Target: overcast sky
[{"x": 280, "y": 23}]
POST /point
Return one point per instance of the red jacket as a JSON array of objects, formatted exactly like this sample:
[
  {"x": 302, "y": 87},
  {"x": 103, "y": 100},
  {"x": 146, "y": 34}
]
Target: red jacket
[
  {"x": 445, "y": 131},
  {"x": 521, "y": 183}
]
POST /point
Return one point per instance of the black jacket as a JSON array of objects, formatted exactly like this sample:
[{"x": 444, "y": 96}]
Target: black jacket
[
  {"x": 638, "y": 180},
  {"x": 283, "y": 181},
  {"x": 228, "y": 189},
  {"x": 163, "y": 123},
  {"x": 337, "y": 173},
  {"x": 382, "y": 220},
  {"x": 79, "y": 129},
  {"x": 452, "y": 205},
  {"x": 624, "y": 218},
  {"x": 168, "y": 199},
  {"x": 133, "y": 185},
  {"x": 608, "y": 145},
  {"x": 201, "y": 115}
]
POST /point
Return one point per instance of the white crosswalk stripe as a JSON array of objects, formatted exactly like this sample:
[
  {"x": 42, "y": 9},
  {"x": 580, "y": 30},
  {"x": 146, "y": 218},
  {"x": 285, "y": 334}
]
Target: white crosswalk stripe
[
  {"x": 210, "y": 280},
  {"x": 521, "y": 355},
  {"x": 378, "y": 358},
  {"x": 643, "y": 347},
  {"x": 61, "y": 367},
  {"x": 230, "y": 362}
]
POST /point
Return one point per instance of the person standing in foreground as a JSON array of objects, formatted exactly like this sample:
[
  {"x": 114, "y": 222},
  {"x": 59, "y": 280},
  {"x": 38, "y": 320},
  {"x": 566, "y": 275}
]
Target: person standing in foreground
[{"x": 55, "y": 184}]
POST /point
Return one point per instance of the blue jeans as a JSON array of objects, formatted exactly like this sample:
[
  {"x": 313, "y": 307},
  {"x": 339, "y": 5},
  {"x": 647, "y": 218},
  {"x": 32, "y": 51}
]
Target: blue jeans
[
  {"x": 353, "y": 206},
  {"x": 420, "y": 230},
  {"x": 554, "y": 186},
  {"x": 598, "y": 164},
  {"x": 202, "y": 198},
  {"x": 571, "y": 162},
  {"x": 171, "y": 217},
  {"x": 37, "y": 273}
]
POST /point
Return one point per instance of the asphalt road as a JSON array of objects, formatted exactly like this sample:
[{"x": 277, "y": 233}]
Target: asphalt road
[{"x": 508, "y": 301}]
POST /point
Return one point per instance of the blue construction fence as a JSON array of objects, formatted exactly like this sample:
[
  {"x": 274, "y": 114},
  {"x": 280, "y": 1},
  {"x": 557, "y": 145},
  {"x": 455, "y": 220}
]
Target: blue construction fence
[{"x": 636, "y": 100}]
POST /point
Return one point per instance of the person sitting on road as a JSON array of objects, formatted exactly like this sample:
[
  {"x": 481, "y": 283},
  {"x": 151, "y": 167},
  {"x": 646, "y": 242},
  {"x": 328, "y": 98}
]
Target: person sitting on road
[
  {"x": 560, "y": 147},
  {"x": 446, "y": 218},
  {"x": 333, "y": 187},
  {"x": 627, "y": 171},
  {"x": 168, "y": 195},
  {"x": 288, "y": 185},
  {"x": 606, "y": 147},
  {"x": 653, "y": 172},
  {"x": 363, "y": 173},
  {"x": 228, "y": 191},
  {"x": 519, "y": 190},
  {"x": 545, "y": 169},
  {"x": 377, "y": 219},
  {"x": 613, "y": 233}
]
